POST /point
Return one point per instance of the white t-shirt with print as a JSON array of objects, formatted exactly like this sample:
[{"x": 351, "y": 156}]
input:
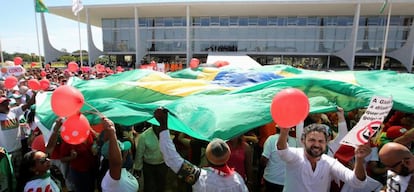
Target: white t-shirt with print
[
  {"x": 396, "y": 182},
  {"x": 46, "y": 184},
  {"x": 127, "y": 182},
  {"x": 10, "y": 134}
]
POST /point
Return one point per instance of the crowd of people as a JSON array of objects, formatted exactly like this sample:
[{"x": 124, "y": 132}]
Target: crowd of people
[{"x": 148, "y": 158}]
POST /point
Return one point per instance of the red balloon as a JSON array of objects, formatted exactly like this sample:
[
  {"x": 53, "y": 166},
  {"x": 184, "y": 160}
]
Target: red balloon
[
  {"x": 44, "y": 84},
  {"x": 33, "y": 84},
  {"x": 75, "y": 129},
  {"x": 47, "y": 66},
  {"x": 43, "y": 73},
  {"x": 73, "y": 67},
  {"x": 289, "y": 107},
  {"x": 33, "y": 64},
  {"x": 66, "y": 101},
  {"x": 10, "y": 82},
  {"x": 194, "y": 63},
  {"x": 18, "y": 60}
]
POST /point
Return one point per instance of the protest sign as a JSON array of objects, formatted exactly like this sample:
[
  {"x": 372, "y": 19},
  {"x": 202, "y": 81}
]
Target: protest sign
[{"x": 370, "y": 122}]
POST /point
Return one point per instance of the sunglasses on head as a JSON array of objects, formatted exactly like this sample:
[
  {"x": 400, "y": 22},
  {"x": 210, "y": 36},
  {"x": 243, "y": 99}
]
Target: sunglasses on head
[{"x": 318, "y": 127}]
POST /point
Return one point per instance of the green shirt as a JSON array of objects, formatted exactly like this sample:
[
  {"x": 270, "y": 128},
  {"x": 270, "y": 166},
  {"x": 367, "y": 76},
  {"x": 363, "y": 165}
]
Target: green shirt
[
  {"x": 148, "y": 150},
  {"x": 7, "y": 179}
]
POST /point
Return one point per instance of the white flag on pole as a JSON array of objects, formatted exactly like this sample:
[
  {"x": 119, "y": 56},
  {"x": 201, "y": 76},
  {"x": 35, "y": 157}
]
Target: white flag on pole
[{"x": 76, "y": 6}]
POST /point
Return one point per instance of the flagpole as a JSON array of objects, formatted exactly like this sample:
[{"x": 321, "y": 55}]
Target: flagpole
[
  {"x": 38, "y": 42},
  {"x": 80, "y": 42},
  {"x": 1, "y": 53},
  {"x": 384, "y": 49}
]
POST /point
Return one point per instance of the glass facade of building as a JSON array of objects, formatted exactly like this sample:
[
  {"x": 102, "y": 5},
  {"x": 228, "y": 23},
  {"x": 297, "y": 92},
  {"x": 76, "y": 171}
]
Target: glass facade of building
[{"x": 256, "y": 36}]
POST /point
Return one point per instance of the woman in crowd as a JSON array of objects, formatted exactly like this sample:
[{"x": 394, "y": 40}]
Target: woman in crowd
[{"x": 35, "y": 173}]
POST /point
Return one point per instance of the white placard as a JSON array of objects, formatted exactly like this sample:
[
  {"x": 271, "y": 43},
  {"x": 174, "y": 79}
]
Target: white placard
[
  {"x": 370, "y": 122},
  {"x": 15, "y": 70}
]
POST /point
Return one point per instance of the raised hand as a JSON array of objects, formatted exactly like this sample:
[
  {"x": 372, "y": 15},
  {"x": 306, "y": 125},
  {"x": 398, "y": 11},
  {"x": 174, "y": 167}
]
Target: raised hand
[
  {"x": 362, "y": 151},
  {"x": 161, "y": 115}
]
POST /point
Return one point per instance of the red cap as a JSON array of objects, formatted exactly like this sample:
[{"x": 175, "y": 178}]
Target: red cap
[{"x": 395, "y": 131}]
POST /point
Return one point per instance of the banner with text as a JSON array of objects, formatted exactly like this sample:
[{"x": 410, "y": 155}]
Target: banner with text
[{"x": 370, "y": 122}]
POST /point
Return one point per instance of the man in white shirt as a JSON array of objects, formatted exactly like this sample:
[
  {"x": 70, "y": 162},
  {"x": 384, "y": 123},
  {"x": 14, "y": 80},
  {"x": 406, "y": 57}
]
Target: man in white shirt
[
  {"x": 217, "y": 177},
  {"x": 399, "y": 161},
  {"x": 10, "y": 134},
  {"x": 310, "y": 169}
]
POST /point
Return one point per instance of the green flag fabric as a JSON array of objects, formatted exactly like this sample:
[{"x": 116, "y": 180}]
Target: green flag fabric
[
  {"x": 41, "y": 7},
  {"x": 209, "y": 103}
]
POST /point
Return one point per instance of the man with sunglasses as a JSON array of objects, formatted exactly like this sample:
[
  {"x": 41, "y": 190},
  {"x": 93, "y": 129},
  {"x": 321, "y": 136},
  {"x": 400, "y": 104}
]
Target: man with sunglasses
[
  {"x": 398, "y": 159},
  {"x": 310, "y": 169}
]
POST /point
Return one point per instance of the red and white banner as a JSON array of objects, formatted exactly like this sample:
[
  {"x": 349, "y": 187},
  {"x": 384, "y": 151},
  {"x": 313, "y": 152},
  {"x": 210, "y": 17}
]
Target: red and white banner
[
  {"x": 15, "y": 70},
  {"x": 370, "y": 122}
]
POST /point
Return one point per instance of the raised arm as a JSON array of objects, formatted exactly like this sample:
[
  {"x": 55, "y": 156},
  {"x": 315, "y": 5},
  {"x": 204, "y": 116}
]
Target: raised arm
[
  {"x": 54, "y": 136},
  {"x": 406, "y": 139},
  {"x": 342, "y": 131},
  {"x": 29, "y": 103},
  {"x": 361, "y": 152},
  {"x": 184, "y": 169},
  {"x": 342, "y": 127},
  {"x": 283, "y": 139},
  {"x": 114, "y": 152},
  {"x": 168, "y": 150}
]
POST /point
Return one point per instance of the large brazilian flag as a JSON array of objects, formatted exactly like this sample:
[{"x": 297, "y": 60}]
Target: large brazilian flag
[{"x": 209, "y": 103}]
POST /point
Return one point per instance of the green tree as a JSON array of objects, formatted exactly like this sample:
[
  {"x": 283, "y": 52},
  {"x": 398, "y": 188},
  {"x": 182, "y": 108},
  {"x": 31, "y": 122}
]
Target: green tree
[{"x": 68, "y": 58}]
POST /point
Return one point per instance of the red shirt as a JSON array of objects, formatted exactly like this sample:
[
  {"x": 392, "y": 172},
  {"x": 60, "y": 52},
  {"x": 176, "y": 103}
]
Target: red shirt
[
  {"x": 85, "y": 160},
  {"x": 237, "y": 158}
]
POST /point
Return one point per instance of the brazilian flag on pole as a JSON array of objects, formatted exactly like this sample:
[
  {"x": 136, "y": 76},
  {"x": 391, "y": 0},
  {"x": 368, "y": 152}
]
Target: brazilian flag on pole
[
  {"x": 41, "y": 7},
  {"x": 384, "y": 5}
]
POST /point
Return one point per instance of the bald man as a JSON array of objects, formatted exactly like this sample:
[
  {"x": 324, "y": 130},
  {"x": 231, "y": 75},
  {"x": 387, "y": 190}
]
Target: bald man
[{"x": 399, "y": 161}]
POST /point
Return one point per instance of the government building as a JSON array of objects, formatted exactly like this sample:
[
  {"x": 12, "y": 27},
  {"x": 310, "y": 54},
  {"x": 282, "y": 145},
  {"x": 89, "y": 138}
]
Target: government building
[{"x": 314, "y": 34}]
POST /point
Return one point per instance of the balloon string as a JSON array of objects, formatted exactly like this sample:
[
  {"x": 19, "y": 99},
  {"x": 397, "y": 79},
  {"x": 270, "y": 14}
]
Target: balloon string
[{"x": 96, "y": 110}]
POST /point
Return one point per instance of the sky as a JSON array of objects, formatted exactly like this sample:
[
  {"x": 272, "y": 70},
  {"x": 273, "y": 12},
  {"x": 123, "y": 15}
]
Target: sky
[{"x": 18, "y": 26}]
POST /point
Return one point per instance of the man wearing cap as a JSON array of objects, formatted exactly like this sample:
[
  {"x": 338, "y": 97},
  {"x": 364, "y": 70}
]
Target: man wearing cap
[
  {"x": 116, "y": 178},
  {"x": 401, "y": 135},
  {"x": 399, "y": 161},
  {"x": 310, "y": 169},
  {"x": 217, "y": 177},
  {"x": 10, "y": 129}
]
